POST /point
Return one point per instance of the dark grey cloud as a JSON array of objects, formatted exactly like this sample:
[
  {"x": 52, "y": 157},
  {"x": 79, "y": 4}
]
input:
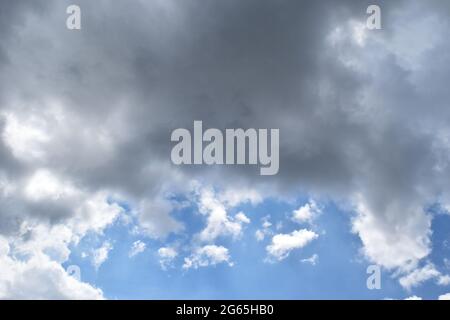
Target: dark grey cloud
[{"x": 367, "y": 120}]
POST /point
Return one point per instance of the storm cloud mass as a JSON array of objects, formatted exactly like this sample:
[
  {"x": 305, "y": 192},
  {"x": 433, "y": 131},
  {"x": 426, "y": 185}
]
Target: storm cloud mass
[{"x": 86, "y": 117}]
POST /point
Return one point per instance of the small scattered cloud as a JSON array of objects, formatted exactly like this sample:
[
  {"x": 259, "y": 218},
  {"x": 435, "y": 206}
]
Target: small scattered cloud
[
  {"x": 306, "y": 213},
  {"x": 259, "y": 235},
  {"x": 265, "y": 230},
  {"x": 313, "y": 260},
  {"x": 166, "y": 256},
  {"x": 100, "y": 255},
  {"x": 283, "y": 244},
  {"x": 241, "y": 217},
  {"x": 209, "y": 255},
  {"x": 421, "y": 275},
  {"x": 137, "y": 248}
]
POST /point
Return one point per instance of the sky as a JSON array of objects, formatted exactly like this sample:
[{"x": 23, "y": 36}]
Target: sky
[{"x": 92, "y": 207}]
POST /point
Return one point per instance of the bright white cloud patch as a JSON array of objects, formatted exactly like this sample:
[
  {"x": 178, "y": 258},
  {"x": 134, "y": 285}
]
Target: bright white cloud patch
[
  {"x": 219, "y": 223},
  {"x": 43, "y": 185},
  {"x": 209, "y": 255},
  {"x": 283, "y": 244},
  {"x": 25, "y": 137},
  {"x": 306, "y": 213}
]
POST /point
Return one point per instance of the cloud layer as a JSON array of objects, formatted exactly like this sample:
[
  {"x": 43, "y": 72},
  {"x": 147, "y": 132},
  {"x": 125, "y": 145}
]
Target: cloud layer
[{"x": 86, "y": 116}]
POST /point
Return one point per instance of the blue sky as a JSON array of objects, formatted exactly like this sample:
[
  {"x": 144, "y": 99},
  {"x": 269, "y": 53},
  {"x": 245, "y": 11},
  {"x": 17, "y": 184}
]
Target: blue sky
[{"x": 339, "y": 272}]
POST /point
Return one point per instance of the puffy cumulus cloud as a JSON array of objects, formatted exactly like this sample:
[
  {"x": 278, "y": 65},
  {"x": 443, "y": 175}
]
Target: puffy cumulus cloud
[
  {"x": 39, "y": 277},
  {"x": 218, "y": 221},
  {"x": 389, "y": 242},
  {"x": 136, "y": 248},
  {"x": 209, "y": 255},
  {"x": 283, "y": 244}
]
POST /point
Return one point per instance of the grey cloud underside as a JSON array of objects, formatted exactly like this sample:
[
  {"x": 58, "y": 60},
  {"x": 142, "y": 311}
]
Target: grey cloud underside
[{"x": 138, "y": 70}]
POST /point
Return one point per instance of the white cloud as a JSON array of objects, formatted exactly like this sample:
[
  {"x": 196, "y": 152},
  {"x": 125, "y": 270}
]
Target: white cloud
[
  {"x": 283, "y": 244},
  {"x": 241, "y": 217},
  {"x": 95, "y": 214},
  {"x": 44, "y": 185},
  {"x": 137, "y": 248},
  {"x": 412, "y": 298},
  {"x": 209, "y": 255},
  {"x": 444, "y": 280},
  {"x": 306, "y": 213},
  {"x": 312, "y": 260},
  {"x": 359, "y": 32},
  {"x": 33, "y": 267},
  {"x": 100, "y": 255},
  {"x": 219, "y": 223},
  {"x": 420, "y": 275},
  {"x": 166, "y": 256},
  {"x": 25, "y": 137},
  {"x": 393, "y": 241},
  {"x": 266, "y": 224},
  {"x": 39, "y": 248},
  {"x": 54, "y": 241},
  {"x": 261, "y": 234},
  {"x": 39, "y": 277},
  {"x": 445, "y": 296}
]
